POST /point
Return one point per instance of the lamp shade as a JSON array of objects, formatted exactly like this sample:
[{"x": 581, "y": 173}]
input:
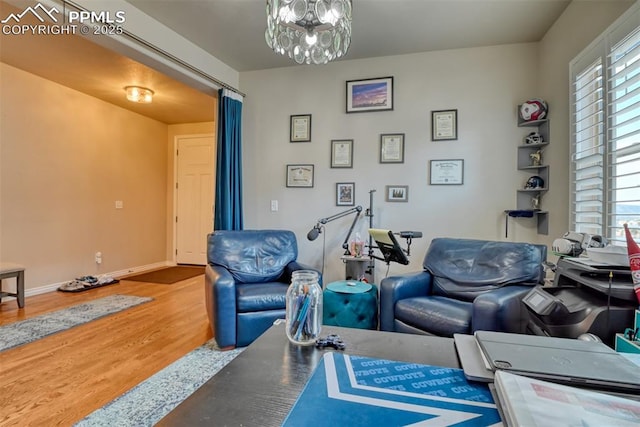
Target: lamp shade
[
  {"x": 139, "y": 94},
  {"x": 309, "y": 31}
]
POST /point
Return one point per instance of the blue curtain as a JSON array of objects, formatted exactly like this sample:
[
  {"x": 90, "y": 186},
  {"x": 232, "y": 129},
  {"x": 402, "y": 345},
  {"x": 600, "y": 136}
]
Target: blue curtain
[{"x": 228, "y": 204}]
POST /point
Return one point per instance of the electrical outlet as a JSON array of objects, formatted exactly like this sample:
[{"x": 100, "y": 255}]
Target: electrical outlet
[
  {"x": 119, "y": 204},
  {"x": 274, "y": 206},
  {"x": 98, "y": 257}
]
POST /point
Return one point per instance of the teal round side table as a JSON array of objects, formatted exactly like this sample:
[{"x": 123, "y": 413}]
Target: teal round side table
[{"x": 351, "y": 304}]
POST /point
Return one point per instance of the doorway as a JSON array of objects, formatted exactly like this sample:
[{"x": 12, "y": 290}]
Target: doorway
[{"x": 194, "y": 196}]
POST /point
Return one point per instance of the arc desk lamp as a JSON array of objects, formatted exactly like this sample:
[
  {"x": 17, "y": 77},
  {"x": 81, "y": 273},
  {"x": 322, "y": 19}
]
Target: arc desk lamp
[
  {"x": 317, "y": 229},
  {"x": 386, "y": 242},
  {"x": 385, "y": 239}
]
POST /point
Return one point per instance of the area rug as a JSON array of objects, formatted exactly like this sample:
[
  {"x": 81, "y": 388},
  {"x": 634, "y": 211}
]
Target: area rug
[
  {"x": 168, "y": 275},
  {"x": 148, "y": 402},
  {"x": 26, "y": 331}
]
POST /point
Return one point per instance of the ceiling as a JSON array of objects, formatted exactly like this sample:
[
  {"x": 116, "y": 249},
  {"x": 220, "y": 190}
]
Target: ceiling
[
  {"x": 233, "y": 32},
  {"x": 77, "y": 63}
]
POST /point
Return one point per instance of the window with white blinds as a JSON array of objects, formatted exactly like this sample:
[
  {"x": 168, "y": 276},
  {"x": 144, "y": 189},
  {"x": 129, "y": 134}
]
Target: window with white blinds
[
  {"x": 623, "y": 180},
  {"x": 605, "y": 138},
  {"x": 587, "y": 166}
]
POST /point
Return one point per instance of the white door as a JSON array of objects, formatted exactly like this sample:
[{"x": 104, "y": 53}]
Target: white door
[{"x": 194, "y": 197}]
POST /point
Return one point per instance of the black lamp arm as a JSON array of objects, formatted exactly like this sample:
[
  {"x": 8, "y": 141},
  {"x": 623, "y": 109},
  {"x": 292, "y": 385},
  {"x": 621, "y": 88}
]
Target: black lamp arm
[
  {"x": 357, "y": 210},
  {"x": 345, "y": 244},
  {"x": 340, "y": 214}
]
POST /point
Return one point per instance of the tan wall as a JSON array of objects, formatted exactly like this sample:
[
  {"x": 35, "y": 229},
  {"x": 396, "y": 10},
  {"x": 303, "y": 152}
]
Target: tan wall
[{"x": 65, "y": 158}]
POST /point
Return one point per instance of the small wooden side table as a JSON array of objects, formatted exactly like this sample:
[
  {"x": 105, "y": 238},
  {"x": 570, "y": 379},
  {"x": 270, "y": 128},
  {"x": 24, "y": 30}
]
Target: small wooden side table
[{"x": 8, "y": 270}]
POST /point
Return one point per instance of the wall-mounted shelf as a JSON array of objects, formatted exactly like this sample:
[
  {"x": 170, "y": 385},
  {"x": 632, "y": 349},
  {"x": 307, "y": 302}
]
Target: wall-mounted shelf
[
  {"x": 541, "y": 216},
  {"x": 526, "y": 207}
]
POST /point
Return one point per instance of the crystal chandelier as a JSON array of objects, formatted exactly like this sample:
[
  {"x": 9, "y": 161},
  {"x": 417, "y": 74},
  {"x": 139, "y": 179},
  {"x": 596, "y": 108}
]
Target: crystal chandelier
[{"x": 309, "y": 31}]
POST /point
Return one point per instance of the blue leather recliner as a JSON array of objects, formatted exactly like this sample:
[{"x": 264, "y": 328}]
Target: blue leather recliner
[
  {"x": 466, "y": 285},
  {"x": 246, "y": 279}
]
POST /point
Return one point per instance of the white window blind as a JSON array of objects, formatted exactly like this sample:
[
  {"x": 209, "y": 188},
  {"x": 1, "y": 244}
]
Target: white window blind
[
  {"x": 588, "y": 150},
  {"x": 624, "y": 136},
  {"x": 605, "y": 137}
]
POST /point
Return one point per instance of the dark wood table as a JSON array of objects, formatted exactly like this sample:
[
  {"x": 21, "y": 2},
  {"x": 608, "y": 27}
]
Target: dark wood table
[{"x": 259, "y": 387}]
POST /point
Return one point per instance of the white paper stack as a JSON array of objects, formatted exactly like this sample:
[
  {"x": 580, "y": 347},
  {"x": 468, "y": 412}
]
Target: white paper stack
[{"x": 528, "y": 402}]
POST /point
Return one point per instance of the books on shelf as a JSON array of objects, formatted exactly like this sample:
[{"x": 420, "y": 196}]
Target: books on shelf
[
  {"x": 529, "y": 402},
  {"x": 354, "y": 390}
]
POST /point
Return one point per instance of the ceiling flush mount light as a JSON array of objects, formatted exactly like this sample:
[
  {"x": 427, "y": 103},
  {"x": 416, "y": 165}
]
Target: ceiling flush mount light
[
  {"x": 139, "y": 94},
  {"x": 309, "y": 31}
]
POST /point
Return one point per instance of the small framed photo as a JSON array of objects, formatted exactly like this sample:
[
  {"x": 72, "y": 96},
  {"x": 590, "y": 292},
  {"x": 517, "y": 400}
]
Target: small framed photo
[
  {"x": 444, "y": 125},
  {"x": 370, "y": 95},
  {"x": 342, "y": 153},
  {"x": 300, "y": 176},
  {"x": 345, "y": 193},
  {"x": 392, "y": 148},
  {"x": 300, "y": 128},
  {"x": 447, "y": 172},
  {"x": 396, "y": 193}
]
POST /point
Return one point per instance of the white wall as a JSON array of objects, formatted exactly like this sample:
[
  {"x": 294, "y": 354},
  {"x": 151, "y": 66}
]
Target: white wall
[{"x": 484, "y": 85}]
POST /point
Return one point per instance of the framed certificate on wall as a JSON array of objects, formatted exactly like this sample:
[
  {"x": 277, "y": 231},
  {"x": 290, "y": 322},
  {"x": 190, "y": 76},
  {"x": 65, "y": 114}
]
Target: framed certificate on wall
[
  {"x": 300, "y": 128},
  {"x": 342, "y": 153},
  {"x": 447, "y": 172},
  {"x": 444, "y": 125},
  {"x": 392, "y": 148},
  {"x": 300, "y": 176}
]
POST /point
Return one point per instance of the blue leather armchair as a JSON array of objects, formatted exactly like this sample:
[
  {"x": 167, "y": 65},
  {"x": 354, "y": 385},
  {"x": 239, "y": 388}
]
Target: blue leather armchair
[
  {"x": 466, "y": 285},
  {"x": 246, "y": 279}
]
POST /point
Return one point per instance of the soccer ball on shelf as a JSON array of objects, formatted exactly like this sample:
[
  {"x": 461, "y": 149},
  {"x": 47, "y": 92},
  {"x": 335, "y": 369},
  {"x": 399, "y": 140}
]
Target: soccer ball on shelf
[{"x": 533, "y": 109}]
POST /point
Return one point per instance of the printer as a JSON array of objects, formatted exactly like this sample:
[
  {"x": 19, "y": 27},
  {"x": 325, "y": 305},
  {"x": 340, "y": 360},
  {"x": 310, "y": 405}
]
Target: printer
[{"x": 586, "y": 297}]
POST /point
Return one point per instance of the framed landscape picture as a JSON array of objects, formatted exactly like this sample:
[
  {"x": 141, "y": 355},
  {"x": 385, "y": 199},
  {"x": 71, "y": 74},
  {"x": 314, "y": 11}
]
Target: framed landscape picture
[{"x": 370, "y": 95}]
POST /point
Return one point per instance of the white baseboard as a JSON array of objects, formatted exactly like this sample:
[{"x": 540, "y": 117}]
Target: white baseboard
[{"x": 116, "y": 275}]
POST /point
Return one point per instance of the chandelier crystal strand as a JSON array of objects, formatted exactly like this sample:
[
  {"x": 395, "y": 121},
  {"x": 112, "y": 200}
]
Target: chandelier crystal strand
[{"x": 309, "y": 31}]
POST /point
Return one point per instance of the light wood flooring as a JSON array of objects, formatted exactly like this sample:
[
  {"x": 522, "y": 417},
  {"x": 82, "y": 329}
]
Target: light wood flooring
[{"x": 58, "y": 380}]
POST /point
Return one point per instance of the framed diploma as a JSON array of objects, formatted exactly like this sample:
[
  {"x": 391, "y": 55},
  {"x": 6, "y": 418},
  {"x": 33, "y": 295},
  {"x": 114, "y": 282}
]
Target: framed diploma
[
  {"x": 392, "y": 148},
  {"x": 300, "y": 176},
  {"x": 444, "y": 125},
  {"x": 300, "y": 128},
  {"x": 447, "y": 172},
  {"x": 342, "y": 153}
]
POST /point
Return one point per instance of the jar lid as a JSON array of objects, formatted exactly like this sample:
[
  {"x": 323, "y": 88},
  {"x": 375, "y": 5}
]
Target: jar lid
[{"x": 349, "y": 287}]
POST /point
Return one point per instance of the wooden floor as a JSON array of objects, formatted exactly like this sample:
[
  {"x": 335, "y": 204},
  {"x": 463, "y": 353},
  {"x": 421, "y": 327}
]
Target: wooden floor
[{"x": 58, "y": 380}]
